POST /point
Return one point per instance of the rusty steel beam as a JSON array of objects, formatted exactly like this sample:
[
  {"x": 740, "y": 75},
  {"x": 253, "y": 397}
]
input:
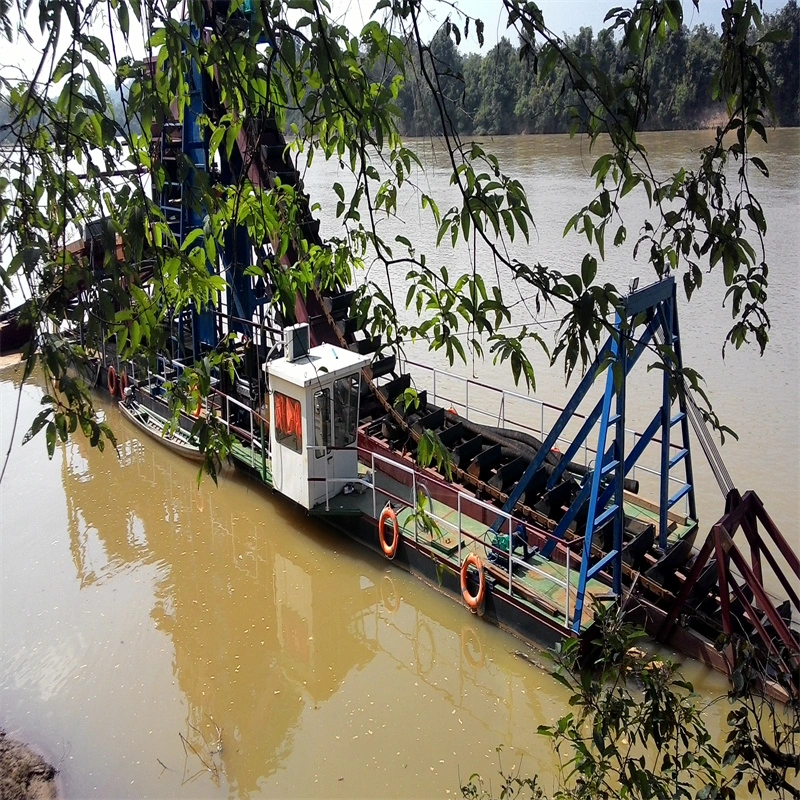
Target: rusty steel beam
[
  {"x": 756, "y": 622},
  {"x": 731, "y": 520},
  {"x": 754, "y": 540},
  {"x": 770, "y": 557},
  {"x": 675, "y": 609},
  {"x": 722, "y": 577},
  {"x": 781, "y": 628},
  {"x": 772, "y": 529},
  {"x": 748, "y": 508}
]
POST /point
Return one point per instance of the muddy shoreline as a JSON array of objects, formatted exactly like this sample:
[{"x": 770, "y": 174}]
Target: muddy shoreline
[{"x": 24, "y": 774}]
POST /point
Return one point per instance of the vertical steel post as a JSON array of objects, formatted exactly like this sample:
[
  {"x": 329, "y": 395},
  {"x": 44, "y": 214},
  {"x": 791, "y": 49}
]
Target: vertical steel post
[
  {"x": 666, "y": 425},
  {"x": 263, "y": 452},
  {"x": 459, "y": 529},
  {"x": 414, "y": 504},
  {"x": 619, "y": 447},
  {"x": 510, "y": 555},
  {"x": 689, "y": 470},
  {"x": 566, "y": 600},
  {"x": 592, "y": 517},
  {"x": 374, "y": 482}
]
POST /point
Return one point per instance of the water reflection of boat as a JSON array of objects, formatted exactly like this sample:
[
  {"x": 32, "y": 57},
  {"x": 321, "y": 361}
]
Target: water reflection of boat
[
  {"x": 266, "y": 630},
  {"x": 156, "y": 427}
]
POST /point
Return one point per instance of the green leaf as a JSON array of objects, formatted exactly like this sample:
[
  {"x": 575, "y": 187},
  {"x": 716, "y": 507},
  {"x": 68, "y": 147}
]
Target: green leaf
[
  {"x": 124, "y": 20},
  {"x": 37, "y": 424},
  {"x": 588, "y": 269},
  {"x": 50, "y": 437}
]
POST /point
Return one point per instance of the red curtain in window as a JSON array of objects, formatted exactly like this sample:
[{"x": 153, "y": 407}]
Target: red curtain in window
[{"x": 288, "y": 417}]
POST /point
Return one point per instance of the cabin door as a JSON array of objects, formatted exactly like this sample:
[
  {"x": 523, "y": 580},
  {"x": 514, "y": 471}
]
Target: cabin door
[{"x": 334, "y": 460}]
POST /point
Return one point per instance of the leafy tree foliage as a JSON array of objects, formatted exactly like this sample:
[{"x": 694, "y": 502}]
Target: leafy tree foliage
[
  {"x": 636, "y": 730},
  {"x": 5, "y": 119},
  {"x": 342, "y": 96}
]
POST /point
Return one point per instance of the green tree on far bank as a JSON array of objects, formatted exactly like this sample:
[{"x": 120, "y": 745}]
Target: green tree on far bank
[
  {"x": 783, "y": 64},
  {"x": 499, "y": 89},
  {"x": 502, "y": 92}
]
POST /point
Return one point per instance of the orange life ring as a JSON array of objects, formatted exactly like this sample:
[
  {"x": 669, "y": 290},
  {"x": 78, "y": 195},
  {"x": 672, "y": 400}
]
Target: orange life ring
[
  {"x": 473, "y": 601},
  {"x": 123, "y": 383},
  {"x": 111, "y": 381},
  {"x": 388, "y": 514}
]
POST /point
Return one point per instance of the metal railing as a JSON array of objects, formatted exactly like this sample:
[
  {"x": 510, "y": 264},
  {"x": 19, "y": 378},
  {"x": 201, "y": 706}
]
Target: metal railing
[
  {"x": 253, "y": 417},
  {"x": 463, "y": 501},
  {"x": 588, "y": 454},
  {"x": 157, "y": 379}
]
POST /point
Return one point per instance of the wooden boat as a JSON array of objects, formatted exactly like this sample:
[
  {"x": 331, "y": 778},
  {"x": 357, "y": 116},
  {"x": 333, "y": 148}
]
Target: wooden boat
[
  {"x": 14, "y": 330},
  {"x": 153, "y": 425}
]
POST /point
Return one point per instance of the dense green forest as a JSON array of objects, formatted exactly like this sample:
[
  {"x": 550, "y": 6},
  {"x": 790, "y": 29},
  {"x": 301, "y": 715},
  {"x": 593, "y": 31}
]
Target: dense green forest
[{"x": 503, "y": 92}]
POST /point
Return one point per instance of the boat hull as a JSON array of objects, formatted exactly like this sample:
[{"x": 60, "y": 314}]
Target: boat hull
[
  {"x": 183, "y": 449},
  {"x": 14, "y": 332},
  {"x": 424, "y": 563}
]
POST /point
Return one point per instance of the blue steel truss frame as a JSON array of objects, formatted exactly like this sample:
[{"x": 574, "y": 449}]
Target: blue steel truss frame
[
  {"x": 184, "y": 213},
  {"x": 653, "y": 311},
  {"x": 178, "y": 195}
]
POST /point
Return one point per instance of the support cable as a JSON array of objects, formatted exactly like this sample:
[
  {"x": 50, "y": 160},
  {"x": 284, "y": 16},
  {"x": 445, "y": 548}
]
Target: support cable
[{"x": 700, "y": 427}]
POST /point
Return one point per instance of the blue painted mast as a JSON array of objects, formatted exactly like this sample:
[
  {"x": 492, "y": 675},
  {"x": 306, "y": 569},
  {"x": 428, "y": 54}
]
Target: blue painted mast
[
  {"x": 195, "y": 149},
  {"x": 185, "y": 156},
  {"x": 602, "y": 494},
  {"x": 185, "y": 153}
]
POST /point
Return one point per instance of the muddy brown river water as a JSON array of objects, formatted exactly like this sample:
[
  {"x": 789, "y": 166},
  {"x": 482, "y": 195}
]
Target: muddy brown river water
[{"x": 162, "y": 639}]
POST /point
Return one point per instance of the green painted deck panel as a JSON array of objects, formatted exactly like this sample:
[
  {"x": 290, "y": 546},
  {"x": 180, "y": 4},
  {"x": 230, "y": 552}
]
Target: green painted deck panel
[
  {"x": 533, "y": 582},
  {"x": 529, "y": 586},
  {"x": 252, "y": 459}
]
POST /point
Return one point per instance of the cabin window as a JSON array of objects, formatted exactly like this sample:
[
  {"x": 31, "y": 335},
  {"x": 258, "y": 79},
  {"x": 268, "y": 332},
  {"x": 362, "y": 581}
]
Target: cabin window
[
  {"x": 288, "y": 422},
  {"x": 345, "y": 410},
  {"x": 322, "y": 422}
]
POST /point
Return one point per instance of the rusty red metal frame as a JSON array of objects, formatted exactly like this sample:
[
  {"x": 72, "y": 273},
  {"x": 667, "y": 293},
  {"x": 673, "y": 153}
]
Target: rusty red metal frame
[{"x": 746, "y": 513}]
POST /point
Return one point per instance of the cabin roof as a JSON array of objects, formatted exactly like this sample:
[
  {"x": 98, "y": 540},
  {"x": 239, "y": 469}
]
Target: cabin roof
[{"x": 323, "y": 363}]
